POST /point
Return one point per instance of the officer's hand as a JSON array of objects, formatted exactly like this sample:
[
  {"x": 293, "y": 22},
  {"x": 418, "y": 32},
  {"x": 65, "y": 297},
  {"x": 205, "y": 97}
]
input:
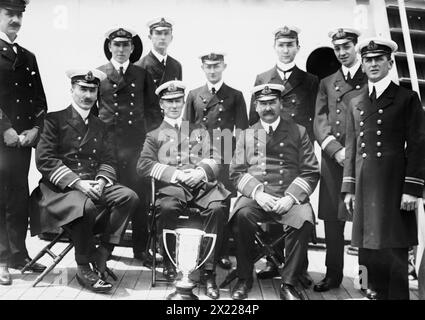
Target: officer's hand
[
  {"x": 100, "y": 186},
  {"x": 29, "y": 137},
  {"x": 11, "y": 138},
  {"x": 265, "y": 200},
  {"x": 349, "y": 201},
  {"x": 408, "y": 202},
  {"x": 193, "y": 177},
  {"x": 283, "y": 204},
  {"x": 340, "y": 157},
  {"x": 89, "y": 188}
]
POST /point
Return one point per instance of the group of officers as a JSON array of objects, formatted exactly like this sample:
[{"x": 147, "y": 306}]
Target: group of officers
[{"x": 129, "y": 121}]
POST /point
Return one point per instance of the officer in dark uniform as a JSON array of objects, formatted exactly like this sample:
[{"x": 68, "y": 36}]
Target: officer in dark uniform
[
  {"x": 221, "y": 110},
  {"x": 185, "y": 177},
  {"x": 383, "y": 170},
  {"x": 130, "y": 108},
  {"x": 275, "y": 170},
  {"x": 22, "y": 110},
  {"x": 329, "y": 128},
  {"x": 298, "y": 98},
  {"x": 157, "y": 62},
  {"x": 78, "y": 189}
]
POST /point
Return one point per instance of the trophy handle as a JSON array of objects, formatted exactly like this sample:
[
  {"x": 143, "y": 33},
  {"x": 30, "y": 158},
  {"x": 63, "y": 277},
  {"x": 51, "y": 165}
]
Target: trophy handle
[
  {"x": 214, "y": 238},
  {"x": 164, "y": 236}
]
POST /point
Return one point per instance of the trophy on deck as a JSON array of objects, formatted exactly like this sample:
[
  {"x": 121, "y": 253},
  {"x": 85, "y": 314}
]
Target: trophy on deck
[{"x": 188, "y": 246}]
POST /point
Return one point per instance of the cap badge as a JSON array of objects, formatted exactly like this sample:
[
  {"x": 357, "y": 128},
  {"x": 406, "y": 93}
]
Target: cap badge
[
  {"x": 341, "y": 33},
  {"x": 286, "y": 30},
  {"x": 172, "y": 87},
  {"x": 212, "y": 56},
  {"x": 372, "y": 45},
  {"x": 89, "y": 76},
  {"x": 121, "y": 32},
  {"x": 266, "y": 90}
]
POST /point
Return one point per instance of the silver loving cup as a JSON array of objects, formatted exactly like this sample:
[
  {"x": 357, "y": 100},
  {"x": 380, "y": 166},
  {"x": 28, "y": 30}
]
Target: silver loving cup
[{"x": 188, "y": 245}]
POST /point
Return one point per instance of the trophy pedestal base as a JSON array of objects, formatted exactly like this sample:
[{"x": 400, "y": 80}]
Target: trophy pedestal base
[{"x": 183, "y": 293}]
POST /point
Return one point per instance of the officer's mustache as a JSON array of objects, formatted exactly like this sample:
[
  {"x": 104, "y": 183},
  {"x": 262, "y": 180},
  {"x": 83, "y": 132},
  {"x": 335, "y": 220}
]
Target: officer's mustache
[
  {"x": 15, "y": 24},
  {"x": 269, "y": 112}
]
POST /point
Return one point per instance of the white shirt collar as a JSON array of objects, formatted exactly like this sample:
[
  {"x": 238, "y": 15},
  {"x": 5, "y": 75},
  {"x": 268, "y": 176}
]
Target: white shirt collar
[
  {"x": 4, "y": 37},
  {"x": 159, "y": 56},
  {"x": 273, "y": 124},
  {"x": 285, "y": 66},
  {"x": 83, "y": 113},
  {"x": 217, "y": 86},
  {"x": 353, "y": 69},
  {"x": 117, "y": 65},
  {"x": 173, "y": 122},
  {"x": 380, "y": 86}
]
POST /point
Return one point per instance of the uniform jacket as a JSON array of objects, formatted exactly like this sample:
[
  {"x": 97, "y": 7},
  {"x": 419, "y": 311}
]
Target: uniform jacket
[
  {"x": 299, "y": 96},
  {"x": 188, "y": 149},
  {"x": 283, "y": 164},
  {"x": 22, "y": 99},
  {"x": 68, "y": 150},
  {"x": 160, "y": 73},
  {"x": 384, "y": 159},
  {"x": 329, "y": 129},
  {"x": 130, "y": 108}
]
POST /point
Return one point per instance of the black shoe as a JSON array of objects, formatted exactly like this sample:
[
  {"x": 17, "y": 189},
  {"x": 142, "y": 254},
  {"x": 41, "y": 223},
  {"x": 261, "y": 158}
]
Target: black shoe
[
  {"x": 241, "y": 289},
  {"x": 371, "y": 294},
  {"x": 211, "y": 288},
  {"x": 225, "y": 263},
  {"x": 36, "y": 267},
  {"x": 5, "y": 277},
  {"x": 169, "y": 272},
  {"x": 288, "y": 292},
  {"x": 305, "y": 280},
  {"x": 326, "y": 284},
  {"x": 270, "y": 271},
  {"x": 90, "y": 280}
]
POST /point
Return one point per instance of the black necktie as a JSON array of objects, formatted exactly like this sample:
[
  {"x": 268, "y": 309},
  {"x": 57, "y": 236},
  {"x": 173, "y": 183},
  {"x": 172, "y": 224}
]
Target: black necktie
[
  {"x": 213, "y": 90},
  {"x": 270, "y": 131},
  {"x": 163, "y": 62},
  {"x": 176, "y": 126},
  {"x": 121, "y": 71},
  {"x": 373, "y": 95},
  {"x": 285, "y": 72},
  {"x": 348, "y": 76}
]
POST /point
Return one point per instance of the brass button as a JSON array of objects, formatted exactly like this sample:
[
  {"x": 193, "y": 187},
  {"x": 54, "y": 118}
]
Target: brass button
[
  {"x": 281, "y": 163},
  {"x": 95, "y": 139},
  {"x": 132, "y": 95},
  {"x": 258, "y": 144},
  {"x": 281, "y": 155},
  {"x": 379, "y": 121},
  {"x": 17, "y": 100},
  {"x": 116, "y": 104},
  {"x": 264, "y": 173},
  {"x": 281, "y": 144},
  {"x": 361, "y": 134},
  {"x": 219, "y": 119},
  {"x": 280, "y": 181},
  {"x": 364, "y": 155},
  {"x": 79, "y": 164},
  {"x": 30, "y": 100},
  {"x": 90, "y": 158},
  {"x": 16, "y": 84},
  {"x": 116, "y": 114},
  {"x": 265, "y": 183},
  {"x": 281, "y": 171},
  {"x": 293, "y": 100},
  {"x": 338, "y": 111},
  {"x": 338, "y": 134},
  {"x": 204, "y": 119},
  {"x": 337, "y": 122},
  {"x": 130, "y": 122},
  {"x": 379, "y": 144},
  {"x": 338, "y": 99},
  {"x": 361, "y": 112},
  {"x": 263, "y": 163},
  {"x": 133, "y": 85},
  {"x": 80, "y": 149},
  {"x": 336, "y": 88},
  {"x": 115, "y": 95},
  {"x": 131, "y": 113},
  {"x": 29, "y": 117},
  {"x": 361, "y": 123},
  {"x": 358, "y": 87},
  {"x": 94, "y": 150},
  {"x": 378, "y": 132},
  {"x": 293, "y": 115},
  {"x": 131, "y": 104},
  {"x": 221, "y": 109},
  {"x": 363, "y": 145},
  {"x": 379, "y": 154},
  {"x": 76, "y": 156},
  {"x": 79, "y": 138},
  {"x": 380, "y": 111},
  {"x": 18, "y": 117},
  {"x": 115, "y": 85}
]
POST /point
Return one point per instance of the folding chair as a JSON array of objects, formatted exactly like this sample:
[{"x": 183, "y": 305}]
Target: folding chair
[
  {"x": 56, "y": 258},
  {"x": 153, "y": 237},
  {"x": 268, "y": 248}
]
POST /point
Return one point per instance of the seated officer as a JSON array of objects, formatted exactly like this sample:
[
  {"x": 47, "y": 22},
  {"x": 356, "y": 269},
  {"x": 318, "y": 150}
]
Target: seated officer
[
  {"x": 275, "y": 172},
  {"x": 185, "y": 177},
  {"x": 78, "y": 190}
]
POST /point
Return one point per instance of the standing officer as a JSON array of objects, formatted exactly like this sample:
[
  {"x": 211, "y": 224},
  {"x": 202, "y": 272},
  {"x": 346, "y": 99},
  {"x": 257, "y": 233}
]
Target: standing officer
[
  {"x": 157, "y": 62},
  {"x": 22, "y": 109},
  {"x": 130, "y": 108},
  {"x": 218, "y": 108},
  {"x": 298, "y": 98},
  {"x": 383, "y": 170},
  {"x": 78, "y": 189},
  {"x": 329, "y": 128},
  {"x": 275, "y": 170},
  {"x": 185, "y": 177}
]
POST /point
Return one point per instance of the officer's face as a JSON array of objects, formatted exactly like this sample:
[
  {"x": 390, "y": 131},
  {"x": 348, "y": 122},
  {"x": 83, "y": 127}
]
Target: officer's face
[
  {"x": 214, "y": 72},
  {"x": 346, "y": 53},
  {"x": 172, "y": 107},
  {"x": 161, "y": 39},
  {"x": 269, "y": 110},
  {"x": 286, "y": 51},
  {"x": 376, "y": 68},
  {"x": 10, "y": 22},
  {"x": 121, "y": 50},
  {"x": 84, "y": 97}
]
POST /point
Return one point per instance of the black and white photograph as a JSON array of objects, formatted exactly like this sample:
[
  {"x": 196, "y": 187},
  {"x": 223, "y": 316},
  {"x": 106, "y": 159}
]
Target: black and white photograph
[{"x": 220, "y": 152}]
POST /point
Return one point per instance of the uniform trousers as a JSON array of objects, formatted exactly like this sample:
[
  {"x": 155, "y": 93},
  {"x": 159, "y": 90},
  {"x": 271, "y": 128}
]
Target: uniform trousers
[
  {"x": 334, "y": 239},
  {"x": 14, "y": 200},
  {"x": 211, "y": 220},
  {"x": 296, "y": 244},
  {"x": 107, "y": 217}
]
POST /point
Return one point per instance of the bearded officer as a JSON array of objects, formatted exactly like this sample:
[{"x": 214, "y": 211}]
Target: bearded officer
[
  {"x": 329, "y": 128},
  {"x": 130, "y": 108},
  {"x": 383, "y": 171},
  {"x": 22, "y": 110},
  {"x": 158, "y": 62},
  {"x": 275, "y": 170}
]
